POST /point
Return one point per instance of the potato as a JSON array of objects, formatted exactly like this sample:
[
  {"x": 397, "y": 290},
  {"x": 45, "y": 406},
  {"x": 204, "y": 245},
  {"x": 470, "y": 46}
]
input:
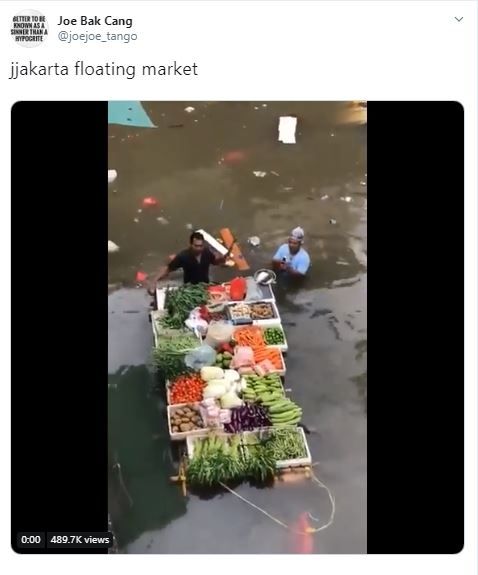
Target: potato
[
  {"x": 178, "y": 412},
  {"x": 175, "y": 429},
  {"x": 185, "y": 420},
  {"x": 185, "y": 427}
]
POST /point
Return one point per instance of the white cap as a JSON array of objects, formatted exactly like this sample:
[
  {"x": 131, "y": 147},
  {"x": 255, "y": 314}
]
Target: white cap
[{"x": 297, "y": 234}]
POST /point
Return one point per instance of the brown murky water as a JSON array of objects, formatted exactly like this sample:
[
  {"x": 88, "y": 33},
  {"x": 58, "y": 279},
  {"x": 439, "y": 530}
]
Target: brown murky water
[{"x": 318, "y": 183}]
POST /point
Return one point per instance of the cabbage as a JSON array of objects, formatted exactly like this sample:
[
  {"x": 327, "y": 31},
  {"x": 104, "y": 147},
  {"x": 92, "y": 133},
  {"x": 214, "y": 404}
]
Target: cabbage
[
  {"x": 231, "y": 375},
  {"x": 214, "y": 390},
  {"x": 211, "y": 372},
  {"x": 230, "y": 400}
]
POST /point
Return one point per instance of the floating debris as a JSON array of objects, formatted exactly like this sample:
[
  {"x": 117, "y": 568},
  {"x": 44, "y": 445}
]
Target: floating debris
[
  {"x": 162, "y": 221},
  {"x": 234, "y": 157},
  {"x": 333, "y": 222},
  {"x": 254, "y": 241},
  {"x": 112, "y": 175},
  {"x": 260, "y": 174},
  {"x": 288, "y": 189},
  {"x": 332, "y": 135},
  {"x": 112, "y": 247},
  {"x": 362, "y": 183},
  {"x": 136, "y": 220},
  {"x": 141, "y": 277},
  {"x": 221, "y": 205},
  {"x": 264, "y": 105},
  {"x": 256, "y": 107},
  {"x": 140, "y": 211},
  {"x": 149, "y": 202},
  {"x": 189, "y": 109},
  {"x": 326, "y": 197},
  {"x": 347, "y": 199},
  {"x": 274, "y": 173},
  {"x": 287, "y": 128},
  {"x": 189, "y": 226},
  {"x": 339, "y": 263}
]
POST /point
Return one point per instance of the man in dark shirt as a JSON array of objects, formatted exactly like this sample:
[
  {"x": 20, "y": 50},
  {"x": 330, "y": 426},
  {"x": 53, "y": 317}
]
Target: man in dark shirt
[{"x": 194, "y": 261}]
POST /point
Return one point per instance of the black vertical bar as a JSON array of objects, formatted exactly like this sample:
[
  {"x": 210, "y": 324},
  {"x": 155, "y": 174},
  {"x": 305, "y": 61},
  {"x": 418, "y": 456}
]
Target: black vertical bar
[
  {"x": 59, "y": 314},
  {"x": 415, "y": 327}
]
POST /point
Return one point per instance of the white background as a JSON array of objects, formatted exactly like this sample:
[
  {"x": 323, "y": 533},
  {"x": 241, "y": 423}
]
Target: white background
[{"x": 271, "y": 51}]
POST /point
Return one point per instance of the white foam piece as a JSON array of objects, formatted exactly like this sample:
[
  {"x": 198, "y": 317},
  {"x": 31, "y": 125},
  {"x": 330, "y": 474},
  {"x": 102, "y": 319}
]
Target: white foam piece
[
  {"x": 112, "y": 247},
  {"x": 213, "y": 242},
  {"x": 287, "y": 128},
  {"x": 112, "y": 175}
]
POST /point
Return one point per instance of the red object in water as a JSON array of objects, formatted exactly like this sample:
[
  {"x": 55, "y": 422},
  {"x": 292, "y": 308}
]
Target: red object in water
[
  {"x": 234, "y": 157},
  {"x": 141, "y": 277},
  {"x": 150, "y": 202},
  {"x": 303, "y": 540}
]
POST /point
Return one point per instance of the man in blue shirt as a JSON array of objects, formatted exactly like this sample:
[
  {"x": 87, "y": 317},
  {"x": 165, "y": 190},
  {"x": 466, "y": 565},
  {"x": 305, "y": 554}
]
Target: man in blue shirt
[{"x": 291, "y": 257}]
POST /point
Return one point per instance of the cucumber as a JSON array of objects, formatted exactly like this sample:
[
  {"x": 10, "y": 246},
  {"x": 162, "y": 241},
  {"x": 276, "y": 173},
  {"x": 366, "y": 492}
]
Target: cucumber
[
  {"x": 284, "y": 405},
  {"x": 283, "y": 425},
  {"x": 286, "y": 416}
]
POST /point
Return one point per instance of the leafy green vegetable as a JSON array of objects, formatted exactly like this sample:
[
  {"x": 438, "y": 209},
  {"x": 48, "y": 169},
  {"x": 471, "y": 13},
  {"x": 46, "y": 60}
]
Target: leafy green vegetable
[
  {"x": 181, "y": 301},
  {"x": 170, "y": 352},
  {"x": 286, "y": 443}
]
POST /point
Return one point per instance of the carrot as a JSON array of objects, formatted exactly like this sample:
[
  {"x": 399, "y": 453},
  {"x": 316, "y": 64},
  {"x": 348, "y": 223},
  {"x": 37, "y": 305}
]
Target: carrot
[
  {"x": 273, "y": 355},
  {"x": 250, "y": 336}
]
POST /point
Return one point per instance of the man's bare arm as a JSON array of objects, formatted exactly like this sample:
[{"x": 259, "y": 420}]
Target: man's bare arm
[{"x": 162, "y": 273}]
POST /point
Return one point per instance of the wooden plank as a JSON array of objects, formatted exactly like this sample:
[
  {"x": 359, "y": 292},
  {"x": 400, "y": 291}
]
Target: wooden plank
[{"x": 236, "y": 253}]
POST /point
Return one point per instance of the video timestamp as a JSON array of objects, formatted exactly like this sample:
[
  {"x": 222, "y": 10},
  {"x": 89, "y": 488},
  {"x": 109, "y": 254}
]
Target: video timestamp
[{"x": 42, "y": 540}]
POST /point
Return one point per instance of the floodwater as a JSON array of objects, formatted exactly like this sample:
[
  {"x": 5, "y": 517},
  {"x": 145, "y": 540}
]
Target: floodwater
[{"x": 318, "y": 183}]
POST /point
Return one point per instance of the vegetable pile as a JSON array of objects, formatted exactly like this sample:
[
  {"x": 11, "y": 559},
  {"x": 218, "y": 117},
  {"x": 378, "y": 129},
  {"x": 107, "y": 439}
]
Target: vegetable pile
[
  {"x": 169, "y": 354},
  {"x": 181, "y": 301},
  {"x": 273, "y": 356},
  {"x": 225, "y": 459},
  {"x": 247, "y": 418},
  {"x": 259, "y": 460},
  {"x": 250, "y": 336},
  {"x": 263, "y": 310},
  {"x": 264, "y": 388},
  {"x": 186, "y": 389},
  {"x": 283, "y": 412},
  {"x": 185, "y": 418},
  {"x": 240, "y": 311},
  {"x": 224, "y": 359},
  {"x": 274, "y": 336},
  {"x": 287, "y": 443},
  {"x": 253, "y": 337},
  {"x": 215, "y": 459}
]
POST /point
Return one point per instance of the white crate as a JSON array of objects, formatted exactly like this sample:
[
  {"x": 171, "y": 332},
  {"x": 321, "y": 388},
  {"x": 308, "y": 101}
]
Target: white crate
[
  {"x": 269, "y": 322},
  {"x": 301, "y": 462},
  {"x": 284, "y": 369},
  {"x": 182, "y": 434},
  {"x": 283, "y": 347},
  {"x": 190, "y": 441},
  {"x": 260, "y": 322}
]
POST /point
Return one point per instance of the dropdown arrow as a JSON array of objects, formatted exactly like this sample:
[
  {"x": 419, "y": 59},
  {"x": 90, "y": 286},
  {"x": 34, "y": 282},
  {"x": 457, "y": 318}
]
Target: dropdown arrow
[{"x": 458, "y": 19}]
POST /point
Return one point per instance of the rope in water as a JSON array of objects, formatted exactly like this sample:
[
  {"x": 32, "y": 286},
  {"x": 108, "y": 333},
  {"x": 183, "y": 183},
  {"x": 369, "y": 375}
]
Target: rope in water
[{"x": 281, "y": 523}]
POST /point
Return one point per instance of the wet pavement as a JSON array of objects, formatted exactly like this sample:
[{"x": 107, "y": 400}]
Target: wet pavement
[{"x": 321, "y": 179}]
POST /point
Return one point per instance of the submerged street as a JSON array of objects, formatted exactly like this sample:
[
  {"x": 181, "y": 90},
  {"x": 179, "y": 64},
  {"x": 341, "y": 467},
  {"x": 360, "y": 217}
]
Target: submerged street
[{"x": 200, "y": 167}]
